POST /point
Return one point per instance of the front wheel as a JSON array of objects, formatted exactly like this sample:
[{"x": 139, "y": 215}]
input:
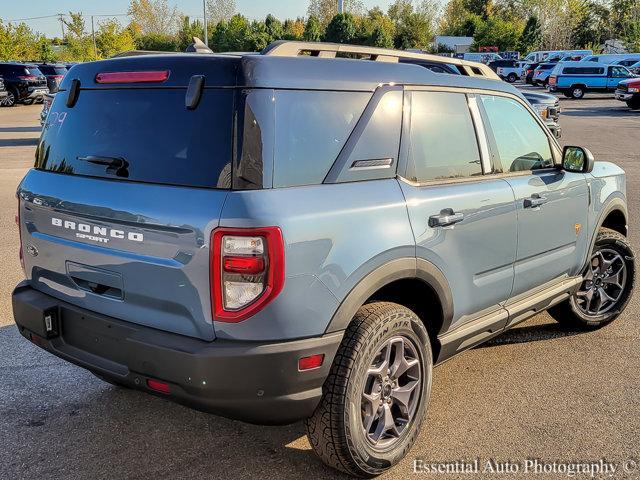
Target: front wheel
[
  {"x": 577, "y": 92},
  {"x": 634, "y": 103},
  {"x": 512, "y": 77},
  {"x": 11, "y": 99},
  {"x": 606, "y": 287},
  {"x": 375, "y": 397}
]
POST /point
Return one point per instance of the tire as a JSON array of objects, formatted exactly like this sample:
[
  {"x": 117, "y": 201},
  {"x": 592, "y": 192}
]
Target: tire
[
  {"x": 336, "y": 430},
  {"x": 576, "y": 92},
  {"x": 634, "y": 103},
  {"x": 10, "y": 99},
  {"x": 571, "y": 313},
  {"x": 512, "y": 77}
]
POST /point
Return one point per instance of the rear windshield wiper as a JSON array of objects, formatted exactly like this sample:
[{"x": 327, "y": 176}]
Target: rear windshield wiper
[{"x": 115, "y": 165}]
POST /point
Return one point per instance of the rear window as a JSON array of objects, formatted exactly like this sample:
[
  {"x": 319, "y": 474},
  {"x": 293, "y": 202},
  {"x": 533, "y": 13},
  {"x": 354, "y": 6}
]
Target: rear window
[
  {"x": 546, "y": 67},
  {"x": 31, "y": 70},
  {"x": 311, "y": 129},
  {"x": 583, "y": 70},
  {"x": 52, "y": 70},
  {"x": 142, "y": 135}
]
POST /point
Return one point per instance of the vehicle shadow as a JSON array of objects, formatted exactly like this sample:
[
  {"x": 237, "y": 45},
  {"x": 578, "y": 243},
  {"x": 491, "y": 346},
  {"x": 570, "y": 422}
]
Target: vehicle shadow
[
  {"x": 531, "y": 333},
  {"x": 20, "y": 129},
  {"x": 59, "y": 421},
  {"x": 18, "y": 142}
]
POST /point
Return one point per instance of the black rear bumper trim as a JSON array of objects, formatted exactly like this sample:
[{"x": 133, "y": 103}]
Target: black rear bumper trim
[{"x": 249, "y": 381}]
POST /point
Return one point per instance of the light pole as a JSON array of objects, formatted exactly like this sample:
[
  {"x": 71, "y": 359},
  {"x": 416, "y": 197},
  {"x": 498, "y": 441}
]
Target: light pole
[
  {"x": 340, "y": 6},
  {"x": 206, "y": 36}
]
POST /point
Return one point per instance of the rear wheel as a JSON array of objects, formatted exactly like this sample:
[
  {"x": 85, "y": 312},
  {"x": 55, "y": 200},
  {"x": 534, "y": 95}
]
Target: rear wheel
[
  {"x": 512, "y": 77},
  {"x": 576, "y": 92},
  {"x": 607, "y": 285},
  {"x": 375, "y": 397}
]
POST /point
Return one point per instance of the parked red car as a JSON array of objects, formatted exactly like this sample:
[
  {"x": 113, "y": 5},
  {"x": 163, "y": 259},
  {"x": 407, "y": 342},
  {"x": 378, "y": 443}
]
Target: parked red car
[{"x": 629, "y": 91}]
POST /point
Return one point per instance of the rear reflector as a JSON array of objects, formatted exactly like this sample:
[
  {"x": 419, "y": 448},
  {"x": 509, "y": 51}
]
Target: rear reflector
[
  {"x": 247, "y": 265},
  {"x": 132, "y": 77},
  {"x": 309, "y": 363},
  {"x": 158, "y": 386}
]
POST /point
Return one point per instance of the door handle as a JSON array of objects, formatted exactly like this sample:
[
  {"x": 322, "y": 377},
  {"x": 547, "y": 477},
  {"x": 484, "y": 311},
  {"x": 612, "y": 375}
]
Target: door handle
[
  {"x": 534, "y": 201},
  {"x": 445, "y": 218}
]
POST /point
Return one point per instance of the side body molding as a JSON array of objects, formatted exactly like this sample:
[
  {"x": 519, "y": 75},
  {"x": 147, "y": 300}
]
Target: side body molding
[{"x": 398, "y": 269}]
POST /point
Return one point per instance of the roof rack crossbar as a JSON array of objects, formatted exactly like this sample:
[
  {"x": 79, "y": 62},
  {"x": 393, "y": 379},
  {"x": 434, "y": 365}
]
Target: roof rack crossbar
[{"x": 285, "y": 48}]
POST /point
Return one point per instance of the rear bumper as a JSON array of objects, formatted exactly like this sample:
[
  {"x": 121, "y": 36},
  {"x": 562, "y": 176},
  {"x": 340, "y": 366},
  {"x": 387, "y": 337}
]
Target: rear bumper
[
  {"x": 253, "y": 382},
  {"x": 37, "y": 92}
]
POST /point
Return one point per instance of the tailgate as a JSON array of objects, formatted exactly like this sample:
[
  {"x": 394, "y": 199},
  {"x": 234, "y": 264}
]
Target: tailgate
[{"x": 136, "y": 252}]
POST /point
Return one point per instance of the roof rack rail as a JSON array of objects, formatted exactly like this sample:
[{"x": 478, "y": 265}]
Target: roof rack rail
[{"x": 285, "y": 48}]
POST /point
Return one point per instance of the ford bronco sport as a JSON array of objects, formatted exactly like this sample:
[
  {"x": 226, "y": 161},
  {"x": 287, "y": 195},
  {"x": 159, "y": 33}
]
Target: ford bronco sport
[{"x": 294, "y": 235}]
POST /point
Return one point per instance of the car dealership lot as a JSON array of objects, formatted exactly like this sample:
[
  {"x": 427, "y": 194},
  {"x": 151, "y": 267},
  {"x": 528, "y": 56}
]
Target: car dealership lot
[{"x": 535, "y": 392}]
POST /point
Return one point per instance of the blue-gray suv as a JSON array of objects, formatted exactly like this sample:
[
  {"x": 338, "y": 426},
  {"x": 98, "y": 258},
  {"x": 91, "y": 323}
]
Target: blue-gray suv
[{"x": 304, "y": 233}]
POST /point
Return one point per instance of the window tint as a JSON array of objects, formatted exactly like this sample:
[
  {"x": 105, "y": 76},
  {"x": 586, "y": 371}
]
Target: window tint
[
  {"x": 442, "y": 141},
  {"x": 148, "y": 133},
  {"x": 31, "y": 70},
  {"x": 521, "y": 142},
  {"x": 619, "y": 72},
  {"x": 311, "y": 129},
  {"x": 583, "y": 70}
]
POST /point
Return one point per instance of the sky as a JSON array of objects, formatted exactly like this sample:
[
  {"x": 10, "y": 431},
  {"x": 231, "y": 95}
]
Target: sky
[{"x": 18, "y": 9}]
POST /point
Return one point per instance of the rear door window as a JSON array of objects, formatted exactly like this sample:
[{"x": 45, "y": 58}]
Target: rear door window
[
  {"x": 142, "y": 135},
  {"x": 311, "y": 129},
  {"x": 442, "y": 141}
]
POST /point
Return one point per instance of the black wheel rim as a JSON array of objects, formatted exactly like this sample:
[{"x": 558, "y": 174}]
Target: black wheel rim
[
  {"x": 604, "y": 283},
  {"x": 391, "y": 392}
]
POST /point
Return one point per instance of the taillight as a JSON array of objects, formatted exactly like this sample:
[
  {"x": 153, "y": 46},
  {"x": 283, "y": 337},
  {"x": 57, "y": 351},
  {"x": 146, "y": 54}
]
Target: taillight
[
  {"x": 19, "y": 232},
  {"x": 133, "y": 77},
  {"x": 30, "y": 78},
  {"x": 247, "y": 271}
]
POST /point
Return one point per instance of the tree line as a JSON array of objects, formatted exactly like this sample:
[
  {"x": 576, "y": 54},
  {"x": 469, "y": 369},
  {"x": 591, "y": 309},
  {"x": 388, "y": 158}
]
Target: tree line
[{"x": 521, "y": 25}]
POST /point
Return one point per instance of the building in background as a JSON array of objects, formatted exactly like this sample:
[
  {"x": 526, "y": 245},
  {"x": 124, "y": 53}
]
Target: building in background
[{"x": 455, "y": 44}]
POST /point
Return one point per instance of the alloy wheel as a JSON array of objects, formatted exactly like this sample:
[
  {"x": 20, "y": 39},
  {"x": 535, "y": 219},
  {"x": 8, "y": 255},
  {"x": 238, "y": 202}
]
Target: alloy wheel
[
  {"x": 604, "y": 283},
  {"x": 391, "y": 392}
]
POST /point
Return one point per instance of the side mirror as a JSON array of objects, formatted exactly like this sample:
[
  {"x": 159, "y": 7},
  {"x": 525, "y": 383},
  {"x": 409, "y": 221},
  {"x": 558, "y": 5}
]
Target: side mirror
[{"x": 577, "y": 159}]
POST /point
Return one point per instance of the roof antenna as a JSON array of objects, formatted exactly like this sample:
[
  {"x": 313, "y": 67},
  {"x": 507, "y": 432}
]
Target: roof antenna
[{"x": 198, "y": 46}]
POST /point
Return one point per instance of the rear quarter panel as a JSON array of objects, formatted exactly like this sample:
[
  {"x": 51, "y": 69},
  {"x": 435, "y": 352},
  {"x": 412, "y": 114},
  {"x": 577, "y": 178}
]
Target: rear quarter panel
[{"x": 334, "y": 234}]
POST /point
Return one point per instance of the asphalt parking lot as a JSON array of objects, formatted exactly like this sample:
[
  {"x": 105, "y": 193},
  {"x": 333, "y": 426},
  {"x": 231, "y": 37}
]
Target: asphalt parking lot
[{"x": 536, "y": 392}]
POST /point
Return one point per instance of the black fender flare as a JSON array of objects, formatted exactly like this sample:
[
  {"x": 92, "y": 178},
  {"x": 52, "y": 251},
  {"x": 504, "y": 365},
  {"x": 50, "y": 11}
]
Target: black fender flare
[
  {"x": 397, "y": 269},
  {"x": 612, "y": 205}
]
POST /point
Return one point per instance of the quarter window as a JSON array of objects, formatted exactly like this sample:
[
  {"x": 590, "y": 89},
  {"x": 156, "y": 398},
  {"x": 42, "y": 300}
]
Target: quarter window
[
  {"x": 521, "y": 142},
  {"x": 442, "y": 141}
]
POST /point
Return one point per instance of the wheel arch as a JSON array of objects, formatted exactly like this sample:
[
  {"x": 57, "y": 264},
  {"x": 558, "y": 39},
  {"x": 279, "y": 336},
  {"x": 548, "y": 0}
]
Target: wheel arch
[
  {"x": 613, "y": 216},
  {"x": 414, "y": 283}
]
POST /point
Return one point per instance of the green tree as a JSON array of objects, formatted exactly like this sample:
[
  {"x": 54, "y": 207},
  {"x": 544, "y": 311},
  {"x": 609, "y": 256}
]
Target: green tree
[
  {"x": 414, "y": 28},
  {"x": 274, "y": 28},
  {"x": 157, "y": 42},
  {"x": 154, "y": 16},
  {"x": 78, "y": 45},
  {"x": 46, "y": 53},
  {"x": 112, "y": 38},
  {"x": 312, "y": 30},
  {"x": 531, "y": 35},
  {"x": 453, "y": 18},
  {"x": 232, "y": 36},
  {"x": 341, "y": 29},
  {"x": 380, "y": 38},
  {"x": 18, "y": 42},
  {"x": 498, "y": 32},
  {"x": 376, "y": 29},
  {"x": 259, "y": 37},
  {"x": 188, "y": 30}
]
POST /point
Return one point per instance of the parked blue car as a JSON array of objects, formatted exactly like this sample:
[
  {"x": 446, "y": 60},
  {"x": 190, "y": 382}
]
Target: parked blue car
[
  {"x": 574, "y": 79},
  {"x": 541, "y": 74}
]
